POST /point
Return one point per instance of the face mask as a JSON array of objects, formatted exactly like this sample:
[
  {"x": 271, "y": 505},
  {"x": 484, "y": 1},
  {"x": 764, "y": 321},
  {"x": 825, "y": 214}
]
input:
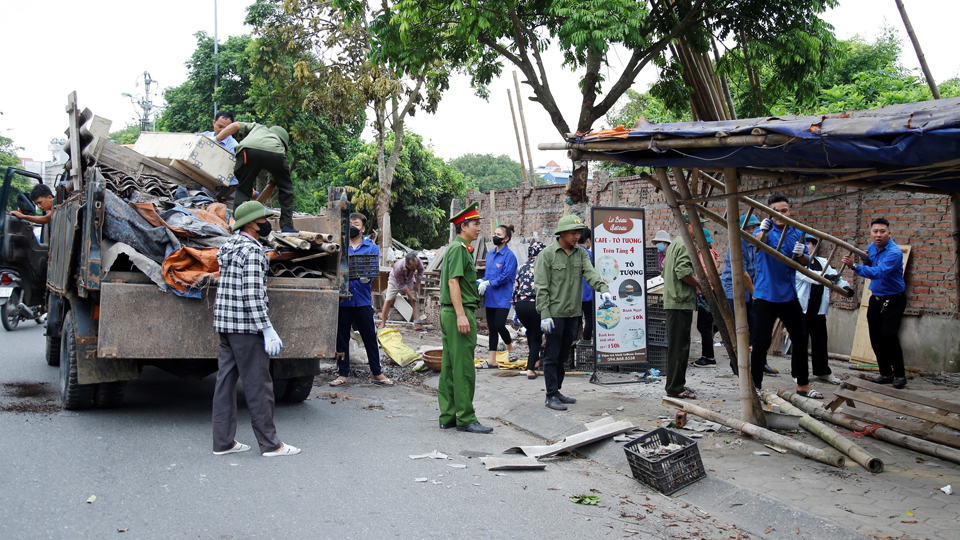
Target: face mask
[
  {"x": 354, "y": 232},
  {"x": 661, "y": 247},
  {"x": 263, "y": 229},
  {"x": 497, "y": 241}
]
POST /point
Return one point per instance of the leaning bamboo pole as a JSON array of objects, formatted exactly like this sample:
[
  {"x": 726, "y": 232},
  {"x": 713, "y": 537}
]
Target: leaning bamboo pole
[
  {"x": 834, "y": 439},
  {"x": 750, "y": 408},
  {"x": 823, "y": 455},
  {"x": 616, "y": 145},
  {"x": 816, "y": 410},
  {"x": 916, "y": 45},
  {"x": 523, "y": 122},
  {"x": 516, "y": 132}
]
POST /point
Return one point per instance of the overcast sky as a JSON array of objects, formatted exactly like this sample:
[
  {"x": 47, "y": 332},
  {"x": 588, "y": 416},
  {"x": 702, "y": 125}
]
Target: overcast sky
[{"x": 100, "y": 48}]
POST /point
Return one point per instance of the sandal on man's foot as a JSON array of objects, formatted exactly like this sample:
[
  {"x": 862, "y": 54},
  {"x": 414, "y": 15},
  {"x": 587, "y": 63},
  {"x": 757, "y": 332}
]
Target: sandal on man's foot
[
  {"x": 284, "y": 450},
  {"x": 686, "y": 394},
  {"x": 237, "y": 447},
  {"x": 811, "y": 393},
  {"x": 512, "y": 356},
  {"x": 339, "y": 381},
  {"x": 382, "y": 382},
  {"x": 532, "y": 375}
]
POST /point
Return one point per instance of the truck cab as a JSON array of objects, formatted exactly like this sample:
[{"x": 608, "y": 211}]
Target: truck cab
[{"x": 23, "y": 258}]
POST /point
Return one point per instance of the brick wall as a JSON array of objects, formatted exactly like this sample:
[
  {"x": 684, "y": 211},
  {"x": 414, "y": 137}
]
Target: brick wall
[{"x": 920, "y": 220}]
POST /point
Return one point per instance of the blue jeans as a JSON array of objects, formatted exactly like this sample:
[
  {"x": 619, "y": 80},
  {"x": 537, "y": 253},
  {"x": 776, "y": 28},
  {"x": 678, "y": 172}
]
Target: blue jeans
[{"x": 751, "y": 318}]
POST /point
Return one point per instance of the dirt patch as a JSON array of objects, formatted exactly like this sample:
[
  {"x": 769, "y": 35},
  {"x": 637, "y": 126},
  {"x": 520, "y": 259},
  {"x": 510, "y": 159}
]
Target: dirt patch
[{"x": 30, "y": 397}]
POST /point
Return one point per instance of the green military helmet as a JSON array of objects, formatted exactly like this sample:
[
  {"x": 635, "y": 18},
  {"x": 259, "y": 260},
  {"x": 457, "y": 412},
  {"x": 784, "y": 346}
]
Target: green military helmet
[
  {"x": 247, "y": 212},
  {"x": 282, "y": 134},
  {"x": 569, "y": 223}
]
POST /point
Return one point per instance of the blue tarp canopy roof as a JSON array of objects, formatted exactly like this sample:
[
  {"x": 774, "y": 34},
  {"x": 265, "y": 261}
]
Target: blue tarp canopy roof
[{"x": 914, "y": 142}]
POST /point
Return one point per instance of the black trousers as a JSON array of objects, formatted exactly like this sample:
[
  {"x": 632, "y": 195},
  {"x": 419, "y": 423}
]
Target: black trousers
[
  {"x": 588, "y": 320},
  {"x": 249, "y": 164},
  {"x": 529, "y": 317},
  {"x": 362, "y": 318},
  {"x": 678, "y": 349},
  {"x": 817, "y": 330},
  {"x": 558, "y": 351},
  {"x": 751, "y": 317},
  {"x": 705, "y": 327},
  {"x": 497, "y": 326},
  {"x": 884, "y": 314},
  {"x": 791, "y": 314}
]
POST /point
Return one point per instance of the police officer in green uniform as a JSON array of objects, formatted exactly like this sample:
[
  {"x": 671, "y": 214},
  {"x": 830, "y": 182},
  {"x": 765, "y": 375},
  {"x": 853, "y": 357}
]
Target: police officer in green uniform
[
  {"x": 459, "y": 298},
  {"x": 558, "y": 279}
]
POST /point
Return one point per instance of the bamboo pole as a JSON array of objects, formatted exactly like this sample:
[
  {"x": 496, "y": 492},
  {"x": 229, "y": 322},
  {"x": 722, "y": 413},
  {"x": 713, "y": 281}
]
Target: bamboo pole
[
  {"x": 909, "y": 442},
  {"x": 750, "y": 408},
  {"x": 523, "y": 122},
  {"x": 516, "y": 131},
  {"x": 834, "y": 439},
  {"x": 828, "y": 456},
  {"x": 916, "y": 45},
  {"x": 614, "y": 145},
  {"x": 727, "y": 96},
  {"x": 955, "y": 220}
]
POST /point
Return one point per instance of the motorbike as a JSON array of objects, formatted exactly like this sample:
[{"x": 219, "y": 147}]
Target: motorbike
[{"x": 12, "y": 308}]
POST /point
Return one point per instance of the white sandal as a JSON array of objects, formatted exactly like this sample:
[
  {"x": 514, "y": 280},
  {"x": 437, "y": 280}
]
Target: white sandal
[
  {"x": 237, "y": 447},
  {"x": 284, "y": 450}
]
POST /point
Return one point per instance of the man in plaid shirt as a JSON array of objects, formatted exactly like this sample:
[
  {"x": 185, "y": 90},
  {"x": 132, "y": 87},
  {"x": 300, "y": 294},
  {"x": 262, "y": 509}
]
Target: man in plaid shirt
[{"x": 246, "y": 337}]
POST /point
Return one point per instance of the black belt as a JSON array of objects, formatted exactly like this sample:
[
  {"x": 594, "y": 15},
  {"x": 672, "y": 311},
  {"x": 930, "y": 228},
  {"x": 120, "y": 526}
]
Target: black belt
[
  {"x": 899, "y": 294},
  {"x": 465, "y": 306}
]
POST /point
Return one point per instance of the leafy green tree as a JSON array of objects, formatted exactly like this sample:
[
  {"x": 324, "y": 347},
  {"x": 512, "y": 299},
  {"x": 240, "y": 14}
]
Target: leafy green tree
[
  {"x": 8, "y": 158},
  {"x": 486, "y": 171},
  {"x": 127, "y": 135},
  {"x": 423, "y": 188}
]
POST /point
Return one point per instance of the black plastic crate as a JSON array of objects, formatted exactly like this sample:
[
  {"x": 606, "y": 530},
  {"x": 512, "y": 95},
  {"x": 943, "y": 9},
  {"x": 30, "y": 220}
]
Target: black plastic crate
[
  {"x": 655, "y": 307},
  {"x": 656, "y": 332},
  {"x": 650, "y": 262},
  {"x": 657, "y": 357},
  {"x": 668, "y": 473},
  {"x": 583, "y": 357},
  {"x": 363, "y": 266}
]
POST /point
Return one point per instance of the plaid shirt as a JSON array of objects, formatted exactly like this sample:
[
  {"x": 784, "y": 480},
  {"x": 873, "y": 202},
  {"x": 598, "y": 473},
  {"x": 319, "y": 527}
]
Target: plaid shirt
[{"x": 241, "y": 305}]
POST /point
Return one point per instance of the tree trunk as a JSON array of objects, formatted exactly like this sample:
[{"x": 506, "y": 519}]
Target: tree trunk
[{"x": 577, "y": 183}]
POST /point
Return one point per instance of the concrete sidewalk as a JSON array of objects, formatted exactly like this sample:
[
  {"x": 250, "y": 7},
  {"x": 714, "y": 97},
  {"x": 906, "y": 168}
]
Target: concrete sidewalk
[{"x": 776, "y": 496}]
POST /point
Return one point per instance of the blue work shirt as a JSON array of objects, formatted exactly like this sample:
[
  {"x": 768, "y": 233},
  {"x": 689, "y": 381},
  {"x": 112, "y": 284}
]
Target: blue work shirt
[
  {"x": 501, "y": 271},
  {"x": 775, "y": 280},
  {"x": 749, "y": 265},
  {"x": 885, "y": 269},
  {"x": 587, "y": 290},
  {"x": 229, "y": 143},
  {"x": 361, "y": 291}
]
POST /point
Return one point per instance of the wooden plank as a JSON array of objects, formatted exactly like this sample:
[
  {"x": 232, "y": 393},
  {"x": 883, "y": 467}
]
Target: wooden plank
[
  {"x": 862, "y": 350},
  {"x": 906, "y": 396},
  {"x": 880, "y": 403},
  {"x": 906, "y": 427}
]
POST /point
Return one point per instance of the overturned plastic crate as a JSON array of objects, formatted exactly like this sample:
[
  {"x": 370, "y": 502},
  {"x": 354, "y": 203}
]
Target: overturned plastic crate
[
  {"x": 656, "y": 332},
  {"x": 583, "y": 356},
  {"x": 655, "y": 307},
  {"x": 650, "y": 262},
  {"x": 363, "y": 266},
  {"x": 657, "y": 357},
  {"x": 666, "y": 473}
]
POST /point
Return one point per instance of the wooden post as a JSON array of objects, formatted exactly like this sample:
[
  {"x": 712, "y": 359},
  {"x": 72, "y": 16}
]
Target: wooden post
[
  {"x": 523, "y": 122},
  {"x": 386, "y": 242},
  {"x": 492, "y": 213},
  {"x": 454, "y": 210},
  {"x": 516, "y": 131},
  {"x": 955, "y": 218},
  {"x": 615, "y": 188},
  {"x": 750, "y": 408},
  {"x": 916, "y": 45}
]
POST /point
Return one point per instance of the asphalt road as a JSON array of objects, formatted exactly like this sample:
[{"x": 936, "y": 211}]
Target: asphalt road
[{"x": 150, "y": 466}]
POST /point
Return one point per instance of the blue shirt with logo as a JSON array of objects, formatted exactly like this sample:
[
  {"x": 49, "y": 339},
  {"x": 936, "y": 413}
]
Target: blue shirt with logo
[
  {"x": 501, "y": 272},
  {"x": 775, "y": 280},
  {"x": 587, "y": 290},
  {"x": 885, "y": 269},
  {"x": 361, "y": 292}
]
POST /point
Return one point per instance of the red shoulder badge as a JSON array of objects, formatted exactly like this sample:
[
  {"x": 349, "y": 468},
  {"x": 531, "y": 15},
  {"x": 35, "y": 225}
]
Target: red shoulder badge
[{"x": 468, "y": 248}]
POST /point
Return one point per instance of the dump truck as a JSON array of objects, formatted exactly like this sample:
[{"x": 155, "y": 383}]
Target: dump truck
[{"x": 109, "y": 316}]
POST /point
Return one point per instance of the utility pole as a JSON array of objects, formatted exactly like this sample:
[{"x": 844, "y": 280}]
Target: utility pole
[
  {"x": 916, "y": 45},
  {"x": 147, "y": 105},
  {"x": 216, "y": 57}
]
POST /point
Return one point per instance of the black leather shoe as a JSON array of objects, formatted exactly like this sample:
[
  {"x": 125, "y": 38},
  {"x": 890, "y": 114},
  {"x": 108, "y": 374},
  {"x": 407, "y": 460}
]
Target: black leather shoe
[
  {"x": 449, "y": 425},
  {"x": 475, "y": 427},
  {"x": 553, "y": 402},
  {"x": 899, "y": 382},
  {"x": 769, "y": 370},
  {"x": 566, "y": 400},
  {"x": 883, "y": 380}
]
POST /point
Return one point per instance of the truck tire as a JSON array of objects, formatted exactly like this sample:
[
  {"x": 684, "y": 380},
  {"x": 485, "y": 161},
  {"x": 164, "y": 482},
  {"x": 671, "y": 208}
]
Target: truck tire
[
  {"x": 52, "y": 351},
  {"x": 279, "y": 389},
  {"x": 109, "y": 395},
  {"x": 11, "y": 311},
  {"x": 298, "y": 389},
  {"x": 73, "y": 395}
]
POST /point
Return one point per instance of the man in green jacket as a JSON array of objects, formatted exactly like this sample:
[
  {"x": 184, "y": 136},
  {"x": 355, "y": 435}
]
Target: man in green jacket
[
  {"x": 459, "y": 298},
  {"x": 262, "y": 148},
  {"x": 558, "y": 279},
  {"x": 680, "y": 286}
]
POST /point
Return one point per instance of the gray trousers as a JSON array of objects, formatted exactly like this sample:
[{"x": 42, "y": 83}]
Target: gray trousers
[
  {"x": 242, "y": 355},
  {"x": 679, "y": 322}
]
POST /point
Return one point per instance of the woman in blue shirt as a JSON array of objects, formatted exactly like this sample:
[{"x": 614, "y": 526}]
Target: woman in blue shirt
[{"x": 497, "y": 290}]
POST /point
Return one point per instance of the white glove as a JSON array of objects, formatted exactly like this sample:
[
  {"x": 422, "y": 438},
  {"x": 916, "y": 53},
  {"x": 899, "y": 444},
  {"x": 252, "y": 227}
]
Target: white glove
[
  {"x": 766, "y": 225},
  {"x": 797, "y": 249},
  {"x": 606, "y": 297},
  {"x": 483, "y": 286},
  {"x": 547, "y": 325},
  {"x": 271, "y": 341}
]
